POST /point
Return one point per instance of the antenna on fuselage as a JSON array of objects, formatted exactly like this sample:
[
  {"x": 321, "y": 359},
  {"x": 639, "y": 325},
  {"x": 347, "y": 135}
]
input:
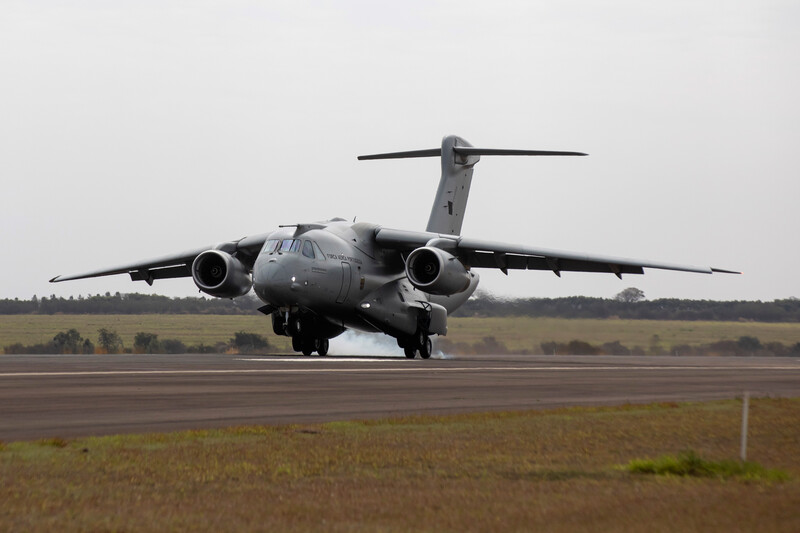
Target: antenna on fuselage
[{"x": 458, "y": 159}]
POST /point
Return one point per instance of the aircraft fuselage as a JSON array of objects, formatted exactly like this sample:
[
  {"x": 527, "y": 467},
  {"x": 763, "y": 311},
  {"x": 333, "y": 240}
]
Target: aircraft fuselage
[{"x": 325, "y": 277}]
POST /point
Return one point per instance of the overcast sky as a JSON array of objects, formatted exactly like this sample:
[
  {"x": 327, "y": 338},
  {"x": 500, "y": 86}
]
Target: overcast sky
[{"x": 133, "y": 129}]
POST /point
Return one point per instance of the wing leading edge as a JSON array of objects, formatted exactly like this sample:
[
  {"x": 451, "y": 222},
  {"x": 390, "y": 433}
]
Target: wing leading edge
[
  {"x": 490, "y": 254},
  {"x": 176, "y": 265}
]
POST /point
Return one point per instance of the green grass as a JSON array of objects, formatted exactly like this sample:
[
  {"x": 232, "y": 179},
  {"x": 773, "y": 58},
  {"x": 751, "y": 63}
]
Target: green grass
[
  {"x": 517, "y": 333},
  {"x": 688, "y": 463},
  {"x": 535, "y": 470}
]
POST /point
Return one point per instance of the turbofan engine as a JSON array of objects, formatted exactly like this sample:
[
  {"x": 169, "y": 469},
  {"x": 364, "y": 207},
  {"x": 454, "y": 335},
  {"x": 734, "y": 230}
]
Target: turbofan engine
[
  {"x": 220, "y": 274},
  {"x": 436, "y": 272}
]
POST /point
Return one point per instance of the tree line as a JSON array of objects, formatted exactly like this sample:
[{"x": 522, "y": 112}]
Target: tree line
[
  {"x": 130, "y": 304},
  {"x": 628, "y": 304}
]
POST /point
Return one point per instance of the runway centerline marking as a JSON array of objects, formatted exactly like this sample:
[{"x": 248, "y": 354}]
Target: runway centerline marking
[{"x": 374, "y": 370}]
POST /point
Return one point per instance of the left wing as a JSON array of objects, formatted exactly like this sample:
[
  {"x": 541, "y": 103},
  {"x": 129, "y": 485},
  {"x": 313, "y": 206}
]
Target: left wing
[
  {"x": 177, "y": 265},
  {"x": 490, "y": 254}
]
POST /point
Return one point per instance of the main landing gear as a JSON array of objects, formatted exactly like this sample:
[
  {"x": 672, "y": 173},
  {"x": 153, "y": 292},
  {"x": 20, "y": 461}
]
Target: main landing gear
[
  {"x": 309, "y": 345},
  {"x": 419, "y": 342}
]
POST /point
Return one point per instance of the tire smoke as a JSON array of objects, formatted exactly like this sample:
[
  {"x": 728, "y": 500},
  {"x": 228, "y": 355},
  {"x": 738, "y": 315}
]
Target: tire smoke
[{"x": 370, "y": 344}]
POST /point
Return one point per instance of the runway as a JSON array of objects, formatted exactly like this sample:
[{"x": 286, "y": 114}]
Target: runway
[{"x": 73, "y": 395}]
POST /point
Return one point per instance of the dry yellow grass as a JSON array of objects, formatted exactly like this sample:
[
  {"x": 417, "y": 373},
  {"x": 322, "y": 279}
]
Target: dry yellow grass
[
  {"x": 520, "y": 333},
  {"x": 517, "y": 333},
  {"x": 548, "y": 470}
]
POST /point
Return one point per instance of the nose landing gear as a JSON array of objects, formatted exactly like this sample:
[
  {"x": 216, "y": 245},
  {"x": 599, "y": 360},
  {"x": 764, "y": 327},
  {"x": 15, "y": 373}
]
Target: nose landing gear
[{"x": 308, "y": 334}]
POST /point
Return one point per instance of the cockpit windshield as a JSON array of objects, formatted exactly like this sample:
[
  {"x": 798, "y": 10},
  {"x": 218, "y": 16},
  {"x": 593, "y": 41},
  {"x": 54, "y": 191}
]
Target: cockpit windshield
[
  {"x": 309, "y": 249},
  {"x": 270, "y": 246}
]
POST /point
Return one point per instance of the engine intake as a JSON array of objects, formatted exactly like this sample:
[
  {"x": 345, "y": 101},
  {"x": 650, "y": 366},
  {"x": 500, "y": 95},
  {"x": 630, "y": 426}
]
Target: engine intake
[
  {"x": 436, "y": 272},
  {"x": 220, "y": 274}
]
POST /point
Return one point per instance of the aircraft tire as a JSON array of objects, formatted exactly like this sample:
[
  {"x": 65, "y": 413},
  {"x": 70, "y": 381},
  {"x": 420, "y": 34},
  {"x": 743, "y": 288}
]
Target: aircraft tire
[
  {"x": 309, "y": 346},
  {"x": 419, "y": 338},
  {"x": 411, "y": 353},
  {"x": 297, "y": 343},
  {"x": 426, "y": 349},
  {"x": 278, "y": 327},
  {"x": 322, "y": 347}
]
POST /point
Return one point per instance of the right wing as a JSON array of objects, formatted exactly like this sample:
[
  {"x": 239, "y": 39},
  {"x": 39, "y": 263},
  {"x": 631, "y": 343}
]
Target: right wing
[{"x": 176, "y": 265}]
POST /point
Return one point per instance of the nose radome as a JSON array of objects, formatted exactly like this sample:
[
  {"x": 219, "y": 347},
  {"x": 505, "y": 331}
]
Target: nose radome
[{"x": 275, "y": 283}]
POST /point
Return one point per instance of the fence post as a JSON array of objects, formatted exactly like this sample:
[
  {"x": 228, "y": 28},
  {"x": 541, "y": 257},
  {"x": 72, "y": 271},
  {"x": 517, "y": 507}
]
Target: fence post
[{"x": 745, "y": 409}]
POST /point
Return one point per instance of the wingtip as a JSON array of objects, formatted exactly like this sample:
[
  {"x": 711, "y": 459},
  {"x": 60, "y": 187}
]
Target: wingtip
[
  {"x": 724, "y": 271},
  {"x": 55, "y": 279}
]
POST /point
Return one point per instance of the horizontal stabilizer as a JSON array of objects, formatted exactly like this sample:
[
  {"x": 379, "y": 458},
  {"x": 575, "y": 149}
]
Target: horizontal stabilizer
[
  {"x": 463, "y": 150},
  {"x": 433, "y": 152},
  {"x": 471, "y": 150}
]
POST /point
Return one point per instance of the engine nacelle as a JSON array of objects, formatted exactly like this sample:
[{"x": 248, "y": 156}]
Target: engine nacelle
[
  {"x": 220, "y": 274},
  {"x": 435, "y": 271}
]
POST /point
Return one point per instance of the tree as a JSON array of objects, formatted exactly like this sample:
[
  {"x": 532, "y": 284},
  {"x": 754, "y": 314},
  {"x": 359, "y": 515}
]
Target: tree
[
  {"x": 68, "y": 341},
  {"x": 88, "y": 346},
  {"x": 630, "y": 295},
  {"x": 749, "y": 344},
  {"x": 146, "y": 343},
  {"x": 109, "y": 341},
  {"x": 249, "y": 342}
]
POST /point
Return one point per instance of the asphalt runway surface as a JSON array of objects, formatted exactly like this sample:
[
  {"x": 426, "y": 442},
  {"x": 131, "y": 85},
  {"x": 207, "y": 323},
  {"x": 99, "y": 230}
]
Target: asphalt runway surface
[{"x": 43, "y": 396}]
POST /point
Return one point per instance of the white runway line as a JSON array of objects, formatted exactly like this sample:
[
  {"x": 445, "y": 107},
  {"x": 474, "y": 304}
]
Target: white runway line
[
  {"x": 325, "y": 360},
  {"x": 368, "y": 370}
]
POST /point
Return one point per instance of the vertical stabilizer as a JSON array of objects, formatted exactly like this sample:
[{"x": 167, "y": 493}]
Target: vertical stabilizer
[
  {"x": 447, "y": 213},
  {"x": 458, "y": 159}
]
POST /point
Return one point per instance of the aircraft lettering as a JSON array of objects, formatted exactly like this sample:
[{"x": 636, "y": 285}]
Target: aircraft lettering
[{"x": 342, "y": 257}]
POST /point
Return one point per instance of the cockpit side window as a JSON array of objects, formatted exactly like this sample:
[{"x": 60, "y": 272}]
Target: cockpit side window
[
  {"x": 320, "y": 255},
  {"x": 308, "y": 249},
  {"x": 286, "y": 245}
]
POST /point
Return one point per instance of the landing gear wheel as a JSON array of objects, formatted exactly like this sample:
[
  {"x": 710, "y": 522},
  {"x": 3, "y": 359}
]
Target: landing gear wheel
[
  {"x": 426, "y": 349},
  {"x": 297, "y": 343},
  {"x": 309, "y": 346},
  {"x": 411, "y": 353},
  {"x": 322, "y": 347},
  {"x": 420, "y": 338}
]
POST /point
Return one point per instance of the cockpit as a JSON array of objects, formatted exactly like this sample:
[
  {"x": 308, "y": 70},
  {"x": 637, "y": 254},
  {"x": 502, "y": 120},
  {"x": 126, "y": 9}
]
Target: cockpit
[{"x": 308, "y": 248}]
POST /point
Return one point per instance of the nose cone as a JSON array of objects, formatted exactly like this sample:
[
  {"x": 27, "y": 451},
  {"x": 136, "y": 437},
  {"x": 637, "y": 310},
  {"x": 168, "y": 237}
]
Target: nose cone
[{"x": 273, "y": 283}]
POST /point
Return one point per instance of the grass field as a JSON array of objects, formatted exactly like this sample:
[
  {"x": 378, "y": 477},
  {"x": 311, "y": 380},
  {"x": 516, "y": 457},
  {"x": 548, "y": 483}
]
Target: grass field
[
  {"x": 517, "y": 333},
  {"x": 554, "y": 470}
]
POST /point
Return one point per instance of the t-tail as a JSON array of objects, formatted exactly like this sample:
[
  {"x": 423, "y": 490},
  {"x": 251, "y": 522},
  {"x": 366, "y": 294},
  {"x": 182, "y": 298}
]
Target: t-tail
[{"x": 458, "y": 161}]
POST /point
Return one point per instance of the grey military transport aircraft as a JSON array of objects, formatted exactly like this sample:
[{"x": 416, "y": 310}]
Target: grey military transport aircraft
[{"x": 318, "y": 279}]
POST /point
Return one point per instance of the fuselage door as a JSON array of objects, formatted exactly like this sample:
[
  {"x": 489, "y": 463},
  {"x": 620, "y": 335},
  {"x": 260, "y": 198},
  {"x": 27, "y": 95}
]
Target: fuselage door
[{"x": 345, "y": 283}]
